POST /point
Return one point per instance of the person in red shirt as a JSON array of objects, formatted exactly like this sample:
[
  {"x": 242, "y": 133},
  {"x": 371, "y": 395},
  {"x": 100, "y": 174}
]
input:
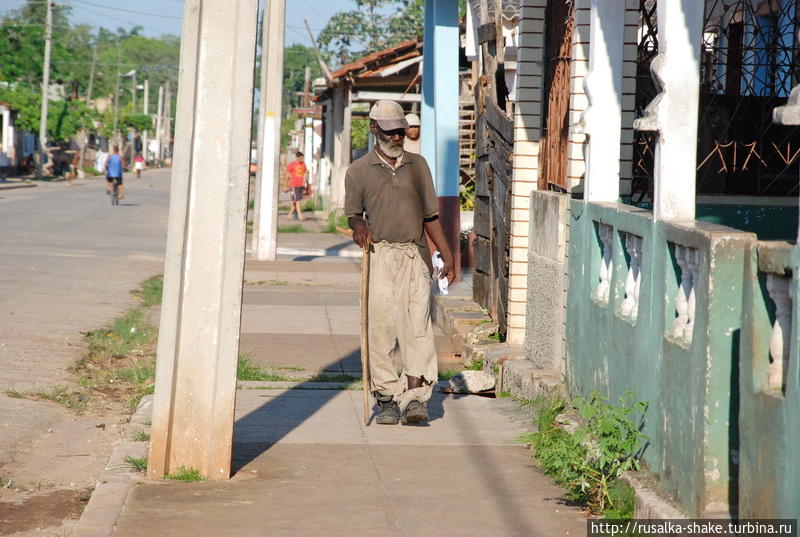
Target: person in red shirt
[{"x": 296, "y": 182}]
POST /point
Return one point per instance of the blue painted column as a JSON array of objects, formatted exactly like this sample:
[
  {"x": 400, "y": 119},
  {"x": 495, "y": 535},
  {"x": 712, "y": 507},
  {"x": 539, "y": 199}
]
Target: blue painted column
[{"x": 439, "y": 128}]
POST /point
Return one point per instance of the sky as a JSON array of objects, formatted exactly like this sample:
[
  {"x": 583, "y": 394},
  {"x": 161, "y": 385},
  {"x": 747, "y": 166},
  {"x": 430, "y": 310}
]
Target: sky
[{"x": 164, "y": 16}]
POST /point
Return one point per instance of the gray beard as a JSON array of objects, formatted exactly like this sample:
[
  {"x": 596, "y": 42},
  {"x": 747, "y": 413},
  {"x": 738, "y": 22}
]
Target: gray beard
[{"x": 390, "y": 149}]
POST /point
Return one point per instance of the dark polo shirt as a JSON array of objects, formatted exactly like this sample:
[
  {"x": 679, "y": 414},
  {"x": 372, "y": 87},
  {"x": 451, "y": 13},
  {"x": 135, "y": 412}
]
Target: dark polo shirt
[{"x": 393, "y": 202}]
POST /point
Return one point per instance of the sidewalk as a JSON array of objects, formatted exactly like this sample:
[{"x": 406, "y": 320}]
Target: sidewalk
[{"x": 305, "y": 464}]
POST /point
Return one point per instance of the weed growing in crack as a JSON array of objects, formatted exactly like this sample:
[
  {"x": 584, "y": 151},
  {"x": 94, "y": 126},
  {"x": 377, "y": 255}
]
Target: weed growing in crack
[{"x": 587, "y": 458}]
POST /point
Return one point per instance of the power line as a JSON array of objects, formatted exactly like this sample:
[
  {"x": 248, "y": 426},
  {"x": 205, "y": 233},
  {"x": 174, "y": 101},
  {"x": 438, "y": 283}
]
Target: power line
[{"x": 121, "y": 10}]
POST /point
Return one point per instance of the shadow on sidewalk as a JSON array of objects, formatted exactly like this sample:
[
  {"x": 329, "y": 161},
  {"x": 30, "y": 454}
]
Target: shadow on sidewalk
[{"x": 284, "y": 413}]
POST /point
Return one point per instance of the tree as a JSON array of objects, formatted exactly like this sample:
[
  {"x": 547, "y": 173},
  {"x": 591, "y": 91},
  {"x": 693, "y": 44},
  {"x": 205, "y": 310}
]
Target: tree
[
  {"x": 295, "y": 60},
  {"x": 351, "y": 34}
]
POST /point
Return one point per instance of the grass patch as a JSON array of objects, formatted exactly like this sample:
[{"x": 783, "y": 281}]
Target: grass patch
[
  {"x": 187, "y": 475},
  {"x": 251, "y": 205},
  {"x": 332, "y": 377},
  {"x": 4, "y": 483},
  {"x": 335, "y": 220},
  {"x": 150, "y": 291},
  {"x": 294, "y": 228},
  {"x": 137, "y": 463},
  {"x": 14, "y": 394},
  {"x": 621, "y": 500},
  {"x": 476, "y": 364},
  {"x": 310, "y": 205},
  {"x": 588, "y": 458},
  {"x": 450, "y": 373},
  {"x": 286, "y": 368},
  {"x": 247, "y": 370},
  {"x": 497, "y": 336},
  {"x": 141, "y": 436},
  {"x": 74, "y": 400},
  {"x": 284, "y": 207}
]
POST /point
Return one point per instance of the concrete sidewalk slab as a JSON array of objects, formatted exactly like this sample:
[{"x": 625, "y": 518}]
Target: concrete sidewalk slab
[
  {"x": 320, "y": 352},
  {"x": 307, "y": 466}
]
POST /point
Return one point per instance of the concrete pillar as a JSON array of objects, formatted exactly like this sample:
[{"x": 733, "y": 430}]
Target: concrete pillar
[
  {"x": 198, "y": 343},
  {"x": 342, "y": 117},
  {"x": 602, "y": 121},
  {"x": 7, "y": 141},
  {"x": 673, "y": 114},
  {"x": 265, "y": 213},
  {"x": 439, "y": 122}
]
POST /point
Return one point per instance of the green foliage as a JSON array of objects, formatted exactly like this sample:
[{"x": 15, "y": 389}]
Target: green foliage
[
  {"x": 450, "y": 373},
  {"x": 150, "y": 291},
  {"x": 187, "y": 475},
  {"x": 497, "y": 336},
  {"x": 141, "y": 436},
  {"x": 295, "y": 60},
  {"x": 589, "y": 460},
  {"x": 374, "y": 25},
  {"x": 335, "y": 220},
  {"x": 294, "y": 228},
  {"x": 72, "y": 54},
  {"x": 359, "y": 133},
  {"x": 287, "y": 126},
  {"x": 467, "y": 197},
  {"x": 137, "y": 463},
  {"x": 476, "y": 364},
  {"x": 247, "y": 370}
]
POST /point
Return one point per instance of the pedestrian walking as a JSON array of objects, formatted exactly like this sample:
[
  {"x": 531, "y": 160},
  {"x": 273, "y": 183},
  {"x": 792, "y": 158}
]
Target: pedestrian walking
[
  {"x": 411, "y": 143},
  {"x": 391, "y": 203},
  {"x": 296, "y": 183},
  {"x": 138, "y": 164},
  {"x": 114, "y": 167}
]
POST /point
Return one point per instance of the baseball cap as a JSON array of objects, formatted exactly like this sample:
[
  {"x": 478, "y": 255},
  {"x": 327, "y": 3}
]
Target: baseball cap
[
  {"x": 413, "y": 120},
  {"x": 389, "y": 115}
]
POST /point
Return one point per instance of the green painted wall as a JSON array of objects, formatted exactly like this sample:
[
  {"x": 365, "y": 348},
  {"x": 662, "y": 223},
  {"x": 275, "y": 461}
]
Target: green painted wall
[
  {"x": 769, "y": 421},
  {"x": 688, "y": 386}
]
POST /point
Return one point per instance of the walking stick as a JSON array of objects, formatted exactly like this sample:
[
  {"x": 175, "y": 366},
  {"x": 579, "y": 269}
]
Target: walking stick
[{"x": 365, "y": 376}]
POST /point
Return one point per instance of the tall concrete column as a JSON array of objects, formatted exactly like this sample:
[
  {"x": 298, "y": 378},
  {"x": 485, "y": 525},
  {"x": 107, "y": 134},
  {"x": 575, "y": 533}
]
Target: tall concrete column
[
  {"x": 673, "y": 114},
  {"x": 342, "y": 118},
  {"x": 198, "y": 343},
  {"x": 265, "y": 216},
  {"x": 439, "y": 122},
  {"x": 602, "y": 121}
]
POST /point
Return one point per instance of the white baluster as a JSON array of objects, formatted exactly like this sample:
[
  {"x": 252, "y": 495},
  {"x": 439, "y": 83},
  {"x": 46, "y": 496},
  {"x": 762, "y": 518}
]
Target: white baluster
[
  {"x": 682, "y": 299},
  {"x": 630, "y": 306},
  {"x": 692, "y": 262},
  {"x": 604, "y": 288},
  {"x": 636, "y": 255},
  {"x": 778, "y": 288}
]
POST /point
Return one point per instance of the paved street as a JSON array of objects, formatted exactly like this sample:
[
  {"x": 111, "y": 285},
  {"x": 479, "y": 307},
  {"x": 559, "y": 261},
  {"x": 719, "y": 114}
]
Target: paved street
[{"x": 69, "y": 261}]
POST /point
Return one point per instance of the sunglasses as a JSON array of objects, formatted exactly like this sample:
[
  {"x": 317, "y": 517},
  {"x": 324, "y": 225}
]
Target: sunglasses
[{"x": 393, "y": 132}]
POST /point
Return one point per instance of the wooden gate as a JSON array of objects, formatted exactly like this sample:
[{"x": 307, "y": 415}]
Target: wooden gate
[
  {"x": 493, "y": 171},
  {"x": 558, "y": 54}
]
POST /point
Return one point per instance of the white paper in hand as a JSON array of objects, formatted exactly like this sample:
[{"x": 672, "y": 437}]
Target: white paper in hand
[{"x": 438, "y": 266}]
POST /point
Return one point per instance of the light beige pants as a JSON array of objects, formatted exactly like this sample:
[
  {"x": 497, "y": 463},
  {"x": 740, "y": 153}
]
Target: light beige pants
[{"x": 399, "y": 316}]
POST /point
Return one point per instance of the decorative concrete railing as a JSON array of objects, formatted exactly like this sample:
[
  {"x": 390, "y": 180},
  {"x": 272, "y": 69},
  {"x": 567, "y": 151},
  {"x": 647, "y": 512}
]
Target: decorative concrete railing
[
  {"x": 769, "y": 384},
  {"x": 655, "y": 307},
  {"x": 633, "y": 278}
]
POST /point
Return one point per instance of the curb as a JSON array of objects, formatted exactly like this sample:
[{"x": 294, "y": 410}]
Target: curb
[
  {"x": 113, "y": 486},
  {"x": 15, "y": 186},
  {"x": 319, "y": 252}
]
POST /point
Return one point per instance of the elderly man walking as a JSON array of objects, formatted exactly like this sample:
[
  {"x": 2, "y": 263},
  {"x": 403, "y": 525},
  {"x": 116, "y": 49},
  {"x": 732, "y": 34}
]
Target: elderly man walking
[{"x": 390, "y": 202}]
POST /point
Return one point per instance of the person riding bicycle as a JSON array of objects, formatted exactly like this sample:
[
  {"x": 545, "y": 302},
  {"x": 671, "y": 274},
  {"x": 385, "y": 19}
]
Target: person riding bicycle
[{"x": 114, "y": 166}]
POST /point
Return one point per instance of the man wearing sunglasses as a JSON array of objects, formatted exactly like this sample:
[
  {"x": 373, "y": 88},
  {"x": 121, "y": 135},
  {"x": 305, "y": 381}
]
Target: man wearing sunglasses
[{"x": 391, "y": 204}]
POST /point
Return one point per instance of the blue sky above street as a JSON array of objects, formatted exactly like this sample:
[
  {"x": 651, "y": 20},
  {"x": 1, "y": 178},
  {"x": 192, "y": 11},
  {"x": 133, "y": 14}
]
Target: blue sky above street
[{"x": 164, "y": 16}]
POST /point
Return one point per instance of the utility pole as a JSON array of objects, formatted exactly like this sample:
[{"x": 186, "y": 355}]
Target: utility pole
[
  {"x": 307, "y": 88},
  {"x": 116, "y": 100},
  {"x": 265, "y": 218},
  {"x": 48, "y": 38},
  {"x": 168, "y": 119},
  {"x": 160, "y": 125},
  {"x": 133, "y": 91},
  {"x": 91, "y": 77},
  {"x": 145, "y": 107}
]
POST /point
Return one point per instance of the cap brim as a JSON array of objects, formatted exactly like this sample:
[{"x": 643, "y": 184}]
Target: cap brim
[{"x": 392, "y": 124}]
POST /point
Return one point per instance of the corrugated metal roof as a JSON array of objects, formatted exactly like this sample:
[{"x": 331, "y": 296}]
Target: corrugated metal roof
[{"x": 377, "y": 61}]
